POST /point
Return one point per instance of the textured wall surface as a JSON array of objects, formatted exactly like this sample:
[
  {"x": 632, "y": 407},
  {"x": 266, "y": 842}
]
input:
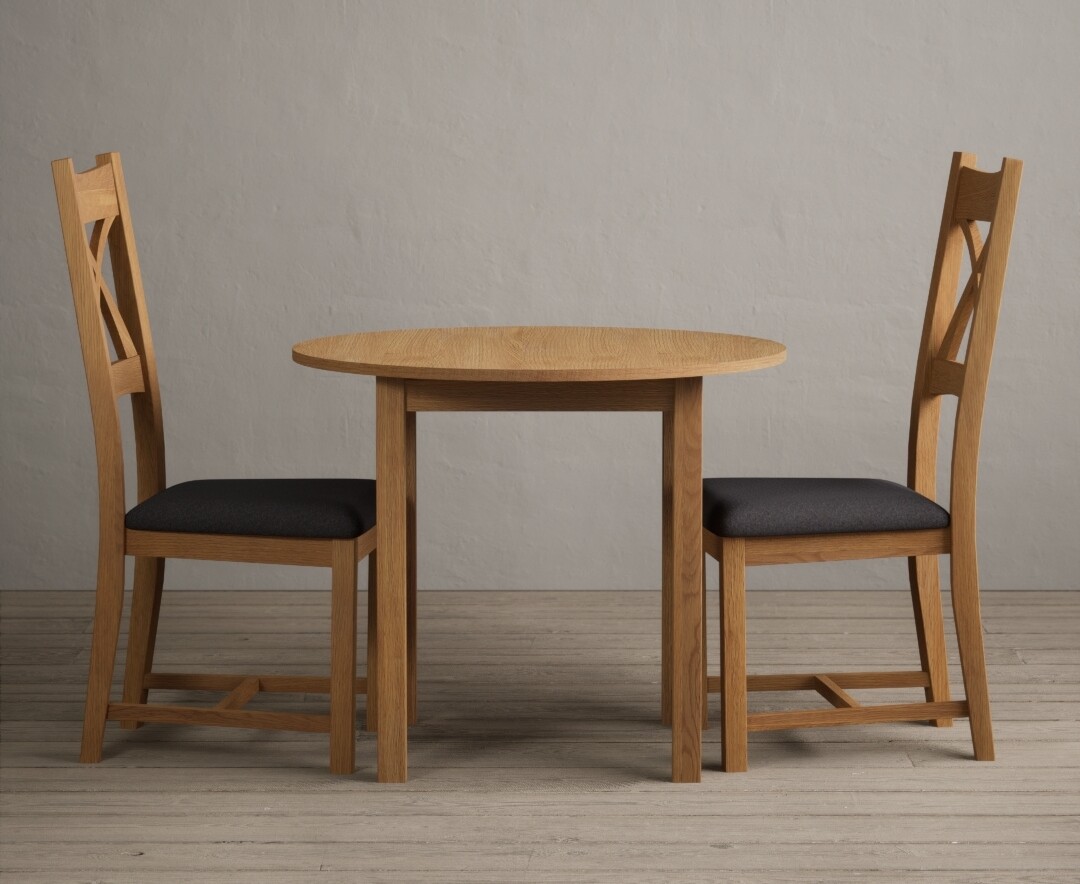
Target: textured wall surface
[{"x": 776, "y": 169}]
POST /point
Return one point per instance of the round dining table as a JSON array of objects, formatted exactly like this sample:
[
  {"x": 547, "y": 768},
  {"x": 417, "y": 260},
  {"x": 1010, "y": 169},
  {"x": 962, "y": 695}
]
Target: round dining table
[{"x": 538, "y": 368}]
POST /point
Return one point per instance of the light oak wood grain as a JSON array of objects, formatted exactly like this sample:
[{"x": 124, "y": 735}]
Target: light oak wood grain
[
  {"x": 542, "y": 369},
  {"x": 410, "y": 563},
  {"x": 96, "y": 196},
  {"x": 764, "y": 721},
  {"x": 289, "y": 684},
  {"x": 230, "y": 548},
  {"x": 163, "y": 713},
  {"x": 391, "y": 477},
  {"x": 686, "y": 582},
  {"x": 241, "y": 695},
  {"x": 142, "y": 628},
  {"x": 946, "y": 378},
  {"x": 831, "y": 691},
  {"x": 649, "y": 395},
  {"x": 977, "y": 194},
  {"x": 343, "y": 561},
  {"x": 539, "y": 353},
  {"x": 667, "y": 554},
  {"x": 733, "y": 653},
  {"x": 127, "y": 376},
  {"x": 971, "y": 196},
  {"x": 371, "y": 715},
  {"x": 120, "y": 321},
  {"x": 965, "y": 454},
  {"x": 842, "y": 547},
  {"x": 925, "y": 582}
]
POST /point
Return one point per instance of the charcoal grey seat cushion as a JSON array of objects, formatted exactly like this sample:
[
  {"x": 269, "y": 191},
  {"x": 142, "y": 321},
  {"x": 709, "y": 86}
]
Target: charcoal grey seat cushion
[
  {"x": 785, "y": 507},
  {"x": 328, "y": 508}
]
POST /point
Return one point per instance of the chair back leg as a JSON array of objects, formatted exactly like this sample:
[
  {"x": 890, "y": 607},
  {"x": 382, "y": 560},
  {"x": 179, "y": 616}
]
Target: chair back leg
[
  {"x": 733, "y": 734},
  {"x": 108, "y": 606},
  {"x": 926, "y": 600},
  {"x": 969, "y": 636},
  {"x": 142, "y": 630}
]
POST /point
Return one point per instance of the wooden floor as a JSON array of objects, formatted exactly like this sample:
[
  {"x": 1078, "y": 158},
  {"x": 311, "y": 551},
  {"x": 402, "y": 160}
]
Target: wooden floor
[{"x": 540, "y": 757}]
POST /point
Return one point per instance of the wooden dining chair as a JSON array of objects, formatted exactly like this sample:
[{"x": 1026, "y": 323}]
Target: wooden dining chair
[
  {"x": 752, "y": 521},
  {"x": 313, "y": 522}
]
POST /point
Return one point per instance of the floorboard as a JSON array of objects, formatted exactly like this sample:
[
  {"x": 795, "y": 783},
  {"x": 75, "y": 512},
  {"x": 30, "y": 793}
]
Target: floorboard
[{"x": 540, "y": 756}]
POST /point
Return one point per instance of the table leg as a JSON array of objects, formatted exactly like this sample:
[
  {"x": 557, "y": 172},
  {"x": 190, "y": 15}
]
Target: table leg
[
  {"x": 392, "y": 522},
  {"x": 685, "y": 571},
  {"x": 666, "y": 568}
]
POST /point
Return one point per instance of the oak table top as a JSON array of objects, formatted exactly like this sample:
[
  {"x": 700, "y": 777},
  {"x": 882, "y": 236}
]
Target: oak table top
[{"x": 539, "y": 353}]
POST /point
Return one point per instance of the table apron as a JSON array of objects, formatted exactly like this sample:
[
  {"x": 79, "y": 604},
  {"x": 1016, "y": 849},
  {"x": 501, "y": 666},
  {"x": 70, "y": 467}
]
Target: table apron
[{"x": 650, "y": 395}]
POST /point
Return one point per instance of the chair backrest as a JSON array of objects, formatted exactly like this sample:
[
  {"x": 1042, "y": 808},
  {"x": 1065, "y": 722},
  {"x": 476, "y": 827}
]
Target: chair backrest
[
  {"x": 96, "y": 201},
  {"x": 972, "y": 196}
]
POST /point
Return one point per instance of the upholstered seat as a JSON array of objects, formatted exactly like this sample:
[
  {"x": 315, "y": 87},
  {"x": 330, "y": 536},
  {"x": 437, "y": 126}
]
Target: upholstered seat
[
  {"x": 328, "y": 508},
  {"x": 787, "y": 507}
]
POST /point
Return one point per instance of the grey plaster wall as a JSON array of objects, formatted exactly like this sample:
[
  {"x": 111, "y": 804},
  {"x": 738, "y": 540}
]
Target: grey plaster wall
[{"x": 300, "y": 169}]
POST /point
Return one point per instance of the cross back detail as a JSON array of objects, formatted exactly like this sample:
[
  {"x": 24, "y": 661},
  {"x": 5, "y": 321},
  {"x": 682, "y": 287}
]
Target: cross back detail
[
  {"x": 973, "y": 196},
  {"x": 123, "y": 345},
  {"x": 99, "y": 204},
  {"x": 97, "y": 200},
  {"x": 976, "y": 200},
  {"x": 965, "y": 306}
]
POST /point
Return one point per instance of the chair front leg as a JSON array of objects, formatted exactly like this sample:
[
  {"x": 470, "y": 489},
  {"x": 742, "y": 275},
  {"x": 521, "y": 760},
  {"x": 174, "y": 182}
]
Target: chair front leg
[
  {"x": 969, "y": 636},
  {"x": 343, "y": 658},
  {"x": 667, "y": 589},
  {"x": 410, "y": 559},
  {"x": 410, "y": 615},
  {"x": 372, "y": 698},
  {"x": 142, "y": 631},
  {"x": 926, "y": 601},
  {"x": 704, "y": 644},
  {"x": 733, "y": 654},
  {"x": 108, "y": 606}
]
